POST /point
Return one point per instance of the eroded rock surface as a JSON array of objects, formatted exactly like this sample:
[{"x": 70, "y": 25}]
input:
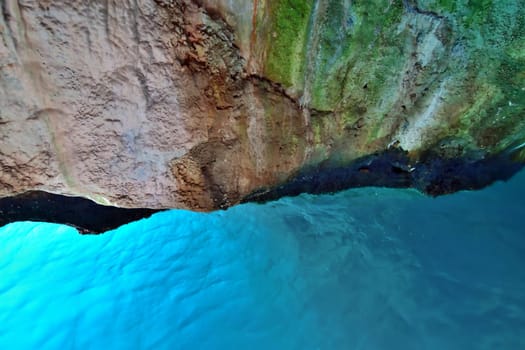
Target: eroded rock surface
[{"x": 198, "y": 104}]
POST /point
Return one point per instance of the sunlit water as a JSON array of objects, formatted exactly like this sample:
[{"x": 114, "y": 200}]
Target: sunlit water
[{"x": 362, "y": 269}]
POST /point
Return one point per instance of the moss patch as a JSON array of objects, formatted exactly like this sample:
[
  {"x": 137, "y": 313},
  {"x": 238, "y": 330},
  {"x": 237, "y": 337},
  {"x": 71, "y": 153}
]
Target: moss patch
[
  {"x": 287, "y": 37},
  {"x": 372, "y": 61}
]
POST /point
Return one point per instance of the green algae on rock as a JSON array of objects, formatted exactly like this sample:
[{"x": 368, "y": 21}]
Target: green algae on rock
[
  {"x": 199, "y": 103},
  {"x": 407, "y": 71}
]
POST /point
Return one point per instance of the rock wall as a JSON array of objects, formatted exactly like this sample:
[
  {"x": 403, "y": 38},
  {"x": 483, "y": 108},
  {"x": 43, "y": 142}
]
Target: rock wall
[{"x": 198, "y": 104}]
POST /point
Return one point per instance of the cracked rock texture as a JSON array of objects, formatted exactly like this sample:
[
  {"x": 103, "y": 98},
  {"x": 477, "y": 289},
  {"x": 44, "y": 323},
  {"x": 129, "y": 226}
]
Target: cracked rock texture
[{"x": 196, "y": 104}]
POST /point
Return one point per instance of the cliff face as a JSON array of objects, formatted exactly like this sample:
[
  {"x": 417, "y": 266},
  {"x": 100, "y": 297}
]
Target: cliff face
[{"x": 197, "y": 104}]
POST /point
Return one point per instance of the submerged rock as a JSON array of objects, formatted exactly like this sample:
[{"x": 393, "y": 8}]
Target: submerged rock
[{"x": 202, "y": 104}]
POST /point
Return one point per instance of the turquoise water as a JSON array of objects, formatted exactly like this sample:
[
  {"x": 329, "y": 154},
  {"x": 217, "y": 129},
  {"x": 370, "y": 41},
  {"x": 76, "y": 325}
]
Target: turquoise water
[{"x": 363, "y": 269}]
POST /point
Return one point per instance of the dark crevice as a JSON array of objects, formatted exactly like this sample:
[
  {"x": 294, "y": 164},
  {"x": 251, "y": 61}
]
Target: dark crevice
[
  {"x": 272, "y": 86},
  {"x": 85, "y": 215},
  {"x": 412, "y": 7},
  {"x": 432, "y": 175},
  {"x": 144, "y": 87},
  {"x": 107, "y": 19},
  {"x": 277, "y": 88},
  {"x": 7, "y": 20}
]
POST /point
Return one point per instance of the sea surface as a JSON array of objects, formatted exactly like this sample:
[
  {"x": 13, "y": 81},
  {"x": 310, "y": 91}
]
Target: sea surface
[{"x": 367, "y": 268}]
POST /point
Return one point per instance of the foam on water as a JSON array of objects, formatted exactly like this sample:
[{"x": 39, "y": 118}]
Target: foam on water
[{"x": 362, "y": 269}]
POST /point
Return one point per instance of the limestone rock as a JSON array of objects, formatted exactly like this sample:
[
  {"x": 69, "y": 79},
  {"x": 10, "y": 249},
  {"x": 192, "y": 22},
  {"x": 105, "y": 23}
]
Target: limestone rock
[{"x": 197, "y": 104}]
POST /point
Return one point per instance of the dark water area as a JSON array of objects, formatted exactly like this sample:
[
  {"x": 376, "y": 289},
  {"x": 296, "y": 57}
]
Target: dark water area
[{"x": 368, "y": 268}]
